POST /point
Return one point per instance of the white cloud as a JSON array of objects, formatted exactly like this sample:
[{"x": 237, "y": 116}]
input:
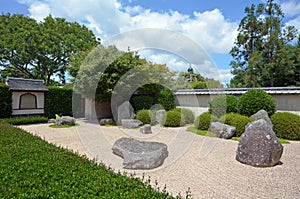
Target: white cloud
[
  {"x": 291, "y": 8},
  {"x": 39, "y": 10},
  {"x": 295, "y": 22}
]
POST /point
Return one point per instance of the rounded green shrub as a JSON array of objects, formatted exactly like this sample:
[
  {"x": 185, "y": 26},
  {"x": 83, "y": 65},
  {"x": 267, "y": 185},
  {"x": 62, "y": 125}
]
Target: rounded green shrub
[
  {"x": 146, "y": 116},
  {"x": 236, "y": 120},
  {"x": 286, "y": 125},
  {"x": 223, "y": 104},
  {"x": 255, "y": 100},
  {"x": 187, "y": 115},
  {"x": 172, "y": 118},
  {"x": 166, "y": 98},
  {"x": 141, "y": 102},
  {"x": 203, "y": 121}
]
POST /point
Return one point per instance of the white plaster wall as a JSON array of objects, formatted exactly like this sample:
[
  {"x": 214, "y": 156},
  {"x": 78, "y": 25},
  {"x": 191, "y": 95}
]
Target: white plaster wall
[{"x": 40, "y": 99}]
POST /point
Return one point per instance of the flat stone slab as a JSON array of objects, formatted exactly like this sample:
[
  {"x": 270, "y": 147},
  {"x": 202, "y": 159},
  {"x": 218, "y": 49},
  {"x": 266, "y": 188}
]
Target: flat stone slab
[
  {"x": 140, "y": 154},
  {"x": 131, "y": 123}
]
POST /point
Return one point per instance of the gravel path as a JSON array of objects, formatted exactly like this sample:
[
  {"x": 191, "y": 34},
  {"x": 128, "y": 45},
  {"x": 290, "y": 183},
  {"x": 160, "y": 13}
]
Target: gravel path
[{"x": 205, "y": 165}]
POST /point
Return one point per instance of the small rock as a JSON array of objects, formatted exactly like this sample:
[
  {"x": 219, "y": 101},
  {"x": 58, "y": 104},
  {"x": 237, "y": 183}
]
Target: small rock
[
  {"x": 103, "y": 122},
  {"x": 258, "y": 146},
  {"x": 222, "y": 130},
  {"x": 140, "y": 155},
  {"x": 131, "y": 123},
  {"x": 146, "y": 129},
  {"x": 65, "y": 120}
]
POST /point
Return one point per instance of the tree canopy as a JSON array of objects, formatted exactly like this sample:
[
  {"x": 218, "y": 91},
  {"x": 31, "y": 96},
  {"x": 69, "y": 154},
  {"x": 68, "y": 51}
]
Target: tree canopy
[
  {"x": 263, "y": 53},
  {"x": 41, "y": 50}
]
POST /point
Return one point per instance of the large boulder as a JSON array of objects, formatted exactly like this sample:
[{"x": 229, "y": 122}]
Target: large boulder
[
  {"x": 146, "y": 129},
  {"x": 222, "y": 130},
  {"x": 131, "y": 123},
  {"x": 125, "y": 111},
  {"x": 262, "y": 114},
  {"x": 139, "y": 154},
  {"x": 259, "y": 146},
  {"x": 159, "y": 116},
  {"x": 65, "y": 120}
]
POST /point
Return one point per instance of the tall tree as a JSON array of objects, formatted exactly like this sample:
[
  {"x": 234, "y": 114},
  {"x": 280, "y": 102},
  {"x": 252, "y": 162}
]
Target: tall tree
[
  {"x": 258, "y": 52},
  {"x": 41, "y": 50}
]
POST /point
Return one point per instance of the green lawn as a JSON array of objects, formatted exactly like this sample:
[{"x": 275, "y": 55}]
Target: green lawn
[{"x": 32, "y": 168}]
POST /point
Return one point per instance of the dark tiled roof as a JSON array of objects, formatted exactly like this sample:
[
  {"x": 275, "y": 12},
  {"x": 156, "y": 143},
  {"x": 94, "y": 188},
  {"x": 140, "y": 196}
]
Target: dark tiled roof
[
  {"x": 237, "y": 91},
  {"x": 20, "y": 84}
]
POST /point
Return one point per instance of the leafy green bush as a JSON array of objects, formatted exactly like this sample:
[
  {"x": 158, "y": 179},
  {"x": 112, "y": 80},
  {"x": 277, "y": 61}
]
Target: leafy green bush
[
  {"x": 236, "y": 120},
  {"x": 5, "y": 101},
  {"x": 146, "y": 116},
  {"x": 286, "y": 125},
  {"x": 32, "y": 168},
  {"x": 166, "y": 98},
  {"x": 187, "y": 115},
  {"x": 198, "y": 85},
  {"x": 255, "y": 100},
  {"x": 223, "y": 104},
  {"x": 58, "y": 101},
  {"x": 25, "y": 120},
  {"x": 141, "y": 102},
  {"x": 172, "y": 118},
  {"x": 203, "y": 121}
]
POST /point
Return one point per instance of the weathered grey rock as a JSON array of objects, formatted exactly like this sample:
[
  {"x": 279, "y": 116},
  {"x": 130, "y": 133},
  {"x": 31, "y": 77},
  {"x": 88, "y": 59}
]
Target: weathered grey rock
[
  {"x": 159, "y": 116},
  {"x": 65, "y": 120},
  {"x": 146, "y": 129},
  {"x": 140, "y": 155},
  {"x": 259, "y": 146},
  {"x": 262, "y": 114},
  {"x": 103, "y": 122},
  {"x": 125, "y": 111},
  {"x": 131, "y": 123},
  {"x": 222, "y": 130}
]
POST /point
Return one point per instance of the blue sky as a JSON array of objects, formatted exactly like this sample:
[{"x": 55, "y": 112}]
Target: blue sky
[{"x": 211, "y": 24}]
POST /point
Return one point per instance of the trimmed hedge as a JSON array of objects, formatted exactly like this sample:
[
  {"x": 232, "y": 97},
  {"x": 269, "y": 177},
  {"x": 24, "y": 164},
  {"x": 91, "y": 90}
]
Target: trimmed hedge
[
  {"x": 203, "y": 121},
  {"x": 223, "y": 104},
  {"x": 146, "y": 116},
  {"x": 255, "y": 100},
  {"x": 166, "y": 98},
  {"x": 172, "y": 118},
  {"x": 5, "y": 101},
  {"x": 236, "y": 120},
  {"x": 58, "y": 101},
  {"x": 25, "y": 120},
  {"x": 187, "y": 115},
  {"x": 286, "y": 125},
  {"x": 141, "y": 102},
  {"x": 32, "y": 168}
]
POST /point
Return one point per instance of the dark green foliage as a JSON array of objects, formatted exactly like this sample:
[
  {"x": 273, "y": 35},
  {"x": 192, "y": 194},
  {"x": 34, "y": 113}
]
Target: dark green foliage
[
  {"x": 5, "y": 101},
  {"x": 187, "y": 115},
  {"x": 203, "y": 121},
  {"x": 32, "y": 168},
  {"x": 141, "y": 102},
  {"x": 223, "y": 104},
  {"x": 236, "y": 120},
  {"x": 255, "y": 100},
  {"x": 58, "y": 101},
  {"x": 166, "y": 98},
  {"x": 286, "y": 125},
  {"x": 146, "y": 116},
  {"x": 172, "y": 118},
  {"x": 25, "y": 120}
]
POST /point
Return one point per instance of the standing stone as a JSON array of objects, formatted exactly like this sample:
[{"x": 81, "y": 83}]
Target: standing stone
[
  {"x": 146, "y": 129},
  {"x": 159, "y": 116},
  {"x": 259, "y": 146},
  {"x": 262, "y": 114},
  {"x": 125, "y": 111},
  {"x": 140, "y": 155},
  {"x": 222, "y": 130}
]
